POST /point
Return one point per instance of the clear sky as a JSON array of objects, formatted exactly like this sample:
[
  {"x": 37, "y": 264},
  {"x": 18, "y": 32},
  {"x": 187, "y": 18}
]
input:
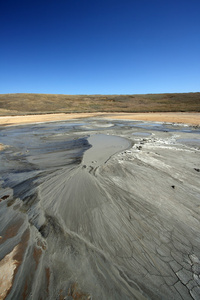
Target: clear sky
[{"x": 99, "y": 46}]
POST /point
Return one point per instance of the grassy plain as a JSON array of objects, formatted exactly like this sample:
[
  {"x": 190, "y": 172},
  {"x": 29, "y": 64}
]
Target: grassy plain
[{"x": 26, "y": 104}]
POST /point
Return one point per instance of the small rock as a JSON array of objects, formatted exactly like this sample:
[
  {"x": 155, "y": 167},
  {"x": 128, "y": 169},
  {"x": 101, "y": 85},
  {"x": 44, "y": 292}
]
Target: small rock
[
  {"x": 5, "y": 197},
  {"x": 139, "y": 147}
]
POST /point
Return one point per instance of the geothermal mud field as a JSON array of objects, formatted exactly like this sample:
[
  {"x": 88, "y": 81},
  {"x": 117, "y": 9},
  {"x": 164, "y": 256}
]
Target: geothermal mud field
[{"x": 100, "y": 209}]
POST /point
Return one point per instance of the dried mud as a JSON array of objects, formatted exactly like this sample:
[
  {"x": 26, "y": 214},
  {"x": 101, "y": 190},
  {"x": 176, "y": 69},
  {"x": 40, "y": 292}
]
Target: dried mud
[{"x": 100, "y": 209}]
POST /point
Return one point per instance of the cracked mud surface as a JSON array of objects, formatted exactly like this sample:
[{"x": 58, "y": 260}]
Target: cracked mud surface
[{"x": 100, "y": 209}]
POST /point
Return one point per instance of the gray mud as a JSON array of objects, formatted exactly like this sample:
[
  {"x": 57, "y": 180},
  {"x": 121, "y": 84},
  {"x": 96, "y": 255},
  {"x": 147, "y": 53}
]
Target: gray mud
[{"x": 100, "y": 210}]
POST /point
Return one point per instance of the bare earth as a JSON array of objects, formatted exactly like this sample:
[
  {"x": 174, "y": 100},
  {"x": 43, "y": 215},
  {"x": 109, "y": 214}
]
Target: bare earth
[
  {"x": 100, "y": 208},
  {"x": 185, "y": 118}
]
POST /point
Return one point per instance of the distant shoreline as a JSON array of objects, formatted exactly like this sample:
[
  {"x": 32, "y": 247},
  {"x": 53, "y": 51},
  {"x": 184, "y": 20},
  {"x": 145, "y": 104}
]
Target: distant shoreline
[{"x": 190, "y": 118}]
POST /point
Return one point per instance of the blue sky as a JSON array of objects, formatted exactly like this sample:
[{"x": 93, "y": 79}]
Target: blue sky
[{"x": 99, "y": 47}]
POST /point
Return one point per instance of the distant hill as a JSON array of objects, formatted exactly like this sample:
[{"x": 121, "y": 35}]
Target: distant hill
[{"x": 21, "y": 104}]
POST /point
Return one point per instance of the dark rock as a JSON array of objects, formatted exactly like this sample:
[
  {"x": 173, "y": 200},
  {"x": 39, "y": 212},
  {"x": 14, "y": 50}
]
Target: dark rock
[{"x": 5, "y": 197}]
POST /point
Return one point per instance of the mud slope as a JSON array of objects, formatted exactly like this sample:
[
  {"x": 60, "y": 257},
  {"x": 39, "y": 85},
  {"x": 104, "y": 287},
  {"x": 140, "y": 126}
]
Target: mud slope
[{"x": 100, "y": 210}]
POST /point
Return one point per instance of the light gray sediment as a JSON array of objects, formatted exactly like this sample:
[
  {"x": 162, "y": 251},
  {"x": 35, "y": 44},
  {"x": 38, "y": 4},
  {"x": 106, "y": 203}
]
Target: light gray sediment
[{"x": 112, "y": 213}]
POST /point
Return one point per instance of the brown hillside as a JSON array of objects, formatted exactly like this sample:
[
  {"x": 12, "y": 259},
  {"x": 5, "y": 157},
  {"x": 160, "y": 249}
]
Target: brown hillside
[{"x": 21, "y": 104}]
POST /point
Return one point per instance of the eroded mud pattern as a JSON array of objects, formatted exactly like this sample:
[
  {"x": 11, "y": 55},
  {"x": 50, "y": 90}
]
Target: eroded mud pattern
[{"x": 100, "y": 210}]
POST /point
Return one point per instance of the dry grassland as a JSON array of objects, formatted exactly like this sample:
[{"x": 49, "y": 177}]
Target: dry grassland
[{"x": 23, "y": 104}]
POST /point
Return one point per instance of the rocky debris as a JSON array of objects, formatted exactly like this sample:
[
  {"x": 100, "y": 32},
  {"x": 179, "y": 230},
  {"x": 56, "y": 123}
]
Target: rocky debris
[
  {"x": 4, "y": 197},
  {"x": 139, "y": 147}
]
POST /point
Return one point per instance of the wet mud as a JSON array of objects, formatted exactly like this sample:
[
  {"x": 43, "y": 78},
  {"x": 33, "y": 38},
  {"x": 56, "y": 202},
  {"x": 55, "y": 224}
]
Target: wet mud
[{"x": 100, "y": 209}]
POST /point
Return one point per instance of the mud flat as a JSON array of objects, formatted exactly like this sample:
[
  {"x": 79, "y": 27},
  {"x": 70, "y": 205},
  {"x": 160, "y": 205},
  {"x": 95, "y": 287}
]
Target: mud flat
[
  {"x": 192, "y": 118},
  {"x": 100, "y": 209}
]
